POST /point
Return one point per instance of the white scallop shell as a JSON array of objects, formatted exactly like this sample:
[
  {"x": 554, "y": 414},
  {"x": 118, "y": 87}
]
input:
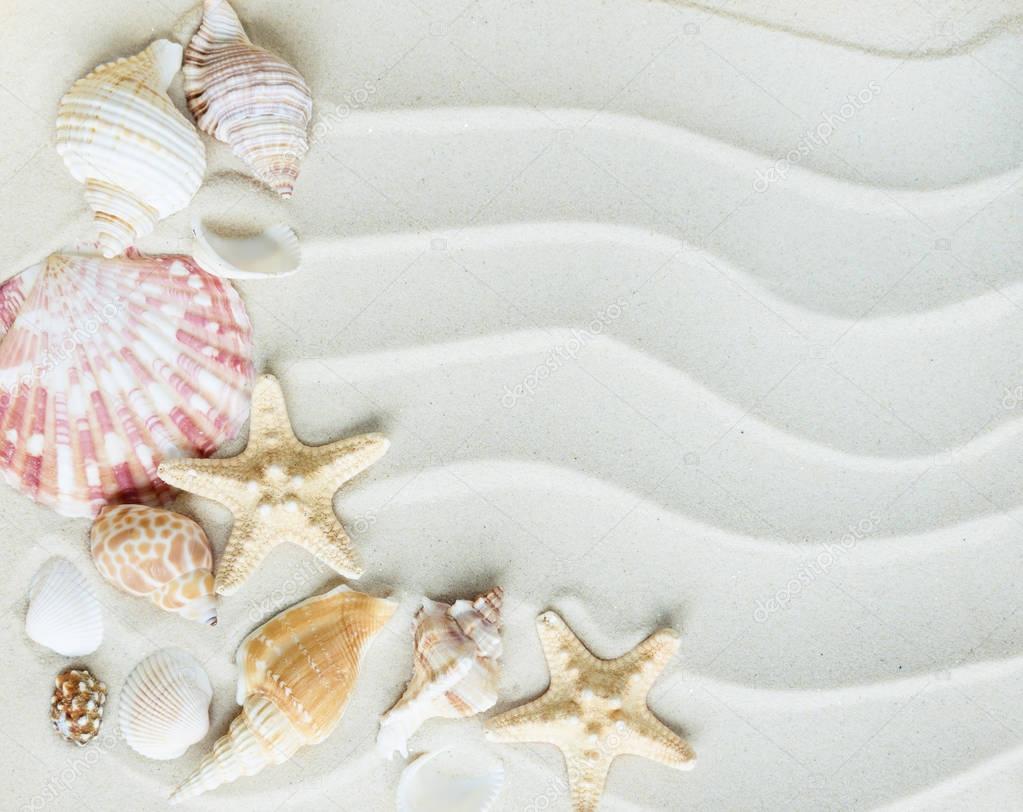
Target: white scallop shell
[
  {"x": 274, "y": 252},
  {"x": 165, "y": 705},
  {"x": 63, "y": 612},
  {"x": 451, "y": 780},
  {"x": 120, "y": 134}
]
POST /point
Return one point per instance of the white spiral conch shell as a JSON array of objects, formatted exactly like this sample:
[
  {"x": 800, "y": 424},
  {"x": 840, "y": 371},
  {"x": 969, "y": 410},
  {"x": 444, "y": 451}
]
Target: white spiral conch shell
[
  {"x": 157, "y": 554},
  {"x": 120, "y": 134},
  {"x": 273, "y": 252},
  {"x": 451, "y": 780},
  {"x": 296, "y": 674},
  {"x": 455, "y": 671},
  {"x": 248, "y": 98},
  {"x": 63, "y": 612},
  {"x": 165, "y": 705}
]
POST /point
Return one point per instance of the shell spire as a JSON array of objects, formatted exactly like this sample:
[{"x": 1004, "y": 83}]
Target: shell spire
[
  {"x": 296, "y": 674},
  {"x": 455, "y": 670},
  {"x": 120, "y": 134},
  {"x": 247, "y": 97}
]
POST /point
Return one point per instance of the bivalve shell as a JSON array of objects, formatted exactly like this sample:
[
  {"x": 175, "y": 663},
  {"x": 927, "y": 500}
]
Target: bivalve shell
[
  {"x": 63, "y": 612},
  {"x": 451, "y": 780}
]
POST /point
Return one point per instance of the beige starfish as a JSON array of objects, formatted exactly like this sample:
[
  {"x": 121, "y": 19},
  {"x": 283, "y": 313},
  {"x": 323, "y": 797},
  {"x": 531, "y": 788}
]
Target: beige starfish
[
  {"x": 595, "y": 710},
  {"x": 278, "y": 489}
]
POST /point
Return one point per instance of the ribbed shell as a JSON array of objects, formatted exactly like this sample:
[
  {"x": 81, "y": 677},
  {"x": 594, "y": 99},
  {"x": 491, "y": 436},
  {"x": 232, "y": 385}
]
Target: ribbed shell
[
  {"x": 164, "y": 706},
  {"x": 109, "y": 365},
  {"x": 63, "y": 612},
  {"x": 247, "y": 97},
  {"x": 455, "y": 670},
  {"x": 158, "y": 554},
  {"x": 120, "y": 134},
  {"x": 296, "y": 674}
]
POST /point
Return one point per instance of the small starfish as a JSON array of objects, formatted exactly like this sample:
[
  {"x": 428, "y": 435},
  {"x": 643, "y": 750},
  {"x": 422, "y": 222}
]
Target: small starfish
[
  {"x": 595, "y": 710},
  {"x": 278, "y": 489}
]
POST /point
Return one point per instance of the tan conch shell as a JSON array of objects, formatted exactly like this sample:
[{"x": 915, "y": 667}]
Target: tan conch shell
[
  {"x": 248, "y": 98},
  {"x": 296, "y": 674},
  {"x": 120, "y": 134},
  {"x": 455, "y": 672},
  {"x": 157, "y": 554}
]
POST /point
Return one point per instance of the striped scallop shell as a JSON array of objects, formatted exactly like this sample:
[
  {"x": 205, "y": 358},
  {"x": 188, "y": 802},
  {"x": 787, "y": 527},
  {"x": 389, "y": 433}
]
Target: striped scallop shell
[
  {"x": 158, "y": 554},
  {"x": 120, "y": 134},
  {"x": 109, "y": 365},
  {"x": 455, "y": 670},
  {"x": 63, "y": 612},
  {"x": 248, "y": 98},
  {"x": 165, "y": 705}
]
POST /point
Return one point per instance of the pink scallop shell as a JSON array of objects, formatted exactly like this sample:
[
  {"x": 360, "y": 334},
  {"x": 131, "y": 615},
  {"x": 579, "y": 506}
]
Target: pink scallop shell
[{"x": 109, "y": 365}]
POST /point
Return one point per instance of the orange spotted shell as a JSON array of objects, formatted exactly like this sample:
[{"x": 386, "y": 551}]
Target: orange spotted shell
[{"x": 157, "y": 554}]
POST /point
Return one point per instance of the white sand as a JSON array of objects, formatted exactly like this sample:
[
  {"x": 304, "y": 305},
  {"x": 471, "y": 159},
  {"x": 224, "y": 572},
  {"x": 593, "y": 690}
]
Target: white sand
[{"x": 782, "y": 364}]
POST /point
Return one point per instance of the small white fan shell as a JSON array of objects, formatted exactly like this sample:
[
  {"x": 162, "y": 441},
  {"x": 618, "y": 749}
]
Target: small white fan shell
[
  {"x": 63, "y": 612},
  {"x": 451, "y": 780}
]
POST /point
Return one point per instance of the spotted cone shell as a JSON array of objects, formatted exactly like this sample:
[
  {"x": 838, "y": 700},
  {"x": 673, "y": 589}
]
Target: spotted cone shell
[
  {"x": 455, "y": 670},
  {"x": 157, "y": 554},
  {"x": 248, "y": 98},
  {"x": 120, "y": 134},
  {"x": 109, "y": 365},
  {"x": 296, "y": 674}
]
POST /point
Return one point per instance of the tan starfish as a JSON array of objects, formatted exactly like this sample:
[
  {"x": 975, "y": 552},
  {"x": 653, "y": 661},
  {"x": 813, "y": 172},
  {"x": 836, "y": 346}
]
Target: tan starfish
[
  {"x": 595, "y": 710},
  {"x": 278, "y": 489}
]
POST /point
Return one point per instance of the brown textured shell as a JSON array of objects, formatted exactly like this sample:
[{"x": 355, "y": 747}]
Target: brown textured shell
[
  {"x": 76, "y": 708},
  {"x": 306, "y": 659}
]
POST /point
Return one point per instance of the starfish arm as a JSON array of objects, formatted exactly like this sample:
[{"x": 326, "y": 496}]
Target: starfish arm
[
  {"x": 221, "y": 480},
  {"x": 648, "y": 737},
  {"x": 244, "y": 552},
  {"x": 338, "y": 462},
  {"x": 329, "y": 542},
  {"x": 644, "y": 664},
  {"x": 587, "y": 775},
  {"x": 269, "y": 415},
  {"x": 542, "y": 720},
  {"x": 563, "y": 650}
]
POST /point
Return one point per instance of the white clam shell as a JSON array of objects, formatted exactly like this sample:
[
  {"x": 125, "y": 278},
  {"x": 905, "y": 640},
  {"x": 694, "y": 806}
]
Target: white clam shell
[
  {"x": 451, "y": 780},
  {"x": 63, "y": 612},
  {"x": 120, "y": 134},
  {"x": 165, "y": 705},
  {"x": 273, "y": 252}
]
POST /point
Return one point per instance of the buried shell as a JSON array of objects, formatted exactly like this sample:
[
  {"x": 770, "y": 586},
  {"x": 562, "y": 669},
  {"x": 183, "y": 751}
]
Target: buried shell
[
  {"x": 63, "y": 612},
  {"x": 165, "y": 705},
  {"x": 451, "y": 780},
  {"x": 76, "y": 709},
  {"x": 273, "y": 252},
  {"x": 109, "y": 365},
  {"x": 247, "y": 97},
  {"x": 455, "y": 671},
  {"x": 296, "y": 674},
  {"x": 120, "y": 134},
  {"x": 157, "y": 554}
]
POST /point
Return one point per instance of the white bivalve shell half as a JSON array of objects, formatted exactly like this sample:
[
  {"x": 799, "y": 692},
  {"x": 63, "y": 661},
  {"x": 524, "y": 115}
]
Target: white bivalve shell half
[
  {"x": 120, "y": 134},
  {"x": 455, "y": 670},
  {"x": 63, "y": 612},
  {"x": 248, "y": 98},
  {"x": 165, "y": 705},
  {"x": 107, "y": 366},
  {"x": 451, "y": 780},
  {"x": 273, "y": 252}
]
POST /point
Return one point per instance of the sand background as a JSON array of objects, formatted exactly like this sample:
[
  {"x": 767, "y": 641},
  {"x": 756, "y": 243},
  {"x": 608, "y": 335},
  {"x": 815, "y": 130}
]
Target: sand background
[{"x": 643, "y": 359}]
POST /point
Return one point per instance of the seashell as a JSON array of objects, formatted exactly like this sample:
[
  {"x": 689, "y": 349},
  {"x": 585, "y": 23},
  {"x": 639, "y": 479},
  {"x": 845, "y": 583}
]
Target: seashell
[
  {"x": 165, "y": 705},
  {"x": 274, "y": 252},
  {"x": 110, "y": 365},
  {"x": 451, "y": 780},
  {"x": 296, "y": 674},
  {"x": 455, "y": 671},
  {"x": 157, "y": 554},
  {"x": 120, "y": 134},
  {"x": 76, "y": 709},
  {"x": 63, "y": 612},
  {"x": 247, "y": 97}
]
